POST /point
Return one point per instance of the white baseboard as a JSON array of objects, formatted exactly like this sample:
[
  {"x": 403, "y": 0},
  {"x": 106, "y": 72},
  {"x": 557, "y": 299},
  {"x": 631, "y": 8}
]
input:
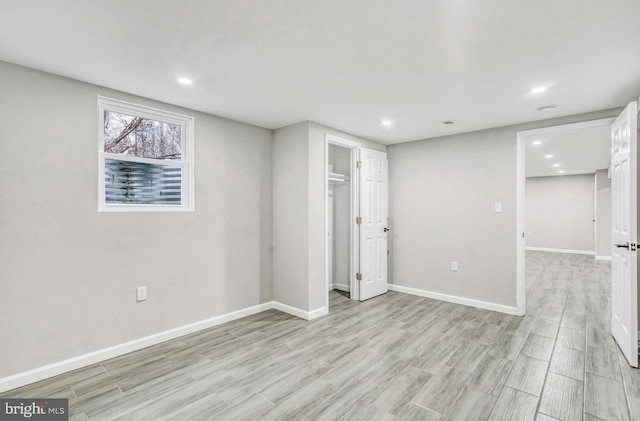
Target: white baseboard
[
  {"x": 454, "y": 299},
  {"x": 552, "y": 250},
  {"x": 340, "y": 287},
  {"x": 603, "y": 257},
  {"x": 50, "y": 370},
  {"x": 298, "y": 312},
  {"x": 319, "y": 312}
]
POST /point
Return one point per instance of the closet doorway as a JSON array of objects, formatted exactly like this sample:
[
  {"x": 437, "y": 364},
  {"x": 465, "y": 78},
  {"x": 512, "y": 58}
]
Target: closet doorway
[{"x": 356, "y": 213}]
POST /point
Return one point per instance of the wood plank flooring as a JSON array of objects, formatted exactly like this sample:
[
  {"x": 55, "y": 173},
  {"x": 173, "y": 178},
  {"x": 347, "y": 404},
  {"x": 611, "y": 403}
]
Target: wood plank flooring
[{"x": 395, "y": 357}]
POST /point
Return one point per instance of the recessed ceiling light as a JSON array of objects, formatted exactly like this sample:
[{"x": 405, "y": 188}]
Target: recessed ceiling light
[
  {"x": 548, "y": 156},
  {"x": 386, "y": 122},
  {"x": 561, "y": 171},
  {"x": 536, "y": 143},
  {"x": 547, "y": 108},
  {"x": 538, "y": 89},
  {"x": 185, "y": 81},
  {"x": 556, "y": 165},
  {"x": 449, "y": 123}
]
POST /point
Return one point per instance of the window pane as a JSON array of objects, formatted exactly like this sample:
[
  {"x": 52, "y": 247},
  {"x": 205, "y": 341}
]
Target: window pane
[
  {"x": 136, "y": 136},
  {"x": 138, "y": 183}
]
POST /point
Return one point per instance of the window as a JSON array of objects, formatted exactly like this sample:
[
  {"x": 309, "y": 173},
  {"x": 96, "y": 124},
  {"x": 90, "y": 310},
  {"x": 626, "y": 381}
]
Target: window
[{"x": 145, "y": 158}]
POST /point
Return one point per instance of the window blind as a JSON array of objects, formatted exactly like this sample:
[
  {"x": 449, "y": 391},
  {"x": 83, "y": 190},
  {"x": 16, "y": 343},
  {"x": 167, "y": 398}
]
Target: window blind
[{"x": 140, "y": 183}]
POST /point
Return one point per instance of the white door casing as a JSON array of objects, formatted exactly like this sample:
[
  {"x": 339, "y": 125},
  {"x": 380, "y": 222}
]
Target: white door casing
[
  {"x": 624, "y": 299},
  {"x": 373, "y": 228},
  {"x": 330, "y": 233}
]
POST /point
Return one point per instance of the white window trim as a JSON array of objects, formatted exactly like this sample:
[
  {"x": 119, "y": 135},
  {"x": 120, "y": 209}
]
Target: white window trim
[{"x": 187, "y": 124}]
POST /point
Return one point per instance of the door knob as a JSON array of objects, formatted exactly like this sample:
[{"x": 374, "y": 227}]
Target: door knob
[
  {"x": 386, "y": 229},
  {"x": 623, "y": 246}
]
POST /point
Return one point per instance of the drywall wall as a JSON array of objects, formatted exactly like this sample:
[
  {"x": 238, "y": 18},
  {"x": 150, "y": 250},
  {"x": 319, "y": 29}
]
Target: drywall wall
[
  {"x": 442, "y": 195},
  {"x": 68, "y": 273},
  {"x": 603, "y": 214},
  {"x": 560, "y": 213},
  {"x": 290, "y": 216}
]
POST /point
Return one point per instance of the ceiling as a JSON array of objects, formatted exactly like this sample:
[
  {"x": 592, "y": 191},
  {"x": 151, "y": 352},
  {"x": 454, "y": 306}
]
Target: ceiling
[
  {"x": 576, "y": 152},
  {"x": 345, "y": 64}
]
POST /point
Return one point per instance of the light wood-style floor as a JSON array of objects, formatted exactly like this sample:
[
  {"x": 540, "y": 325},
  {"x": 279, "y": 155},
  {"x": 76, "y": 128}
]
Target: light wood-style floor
[{"x": 395, "y": 357}]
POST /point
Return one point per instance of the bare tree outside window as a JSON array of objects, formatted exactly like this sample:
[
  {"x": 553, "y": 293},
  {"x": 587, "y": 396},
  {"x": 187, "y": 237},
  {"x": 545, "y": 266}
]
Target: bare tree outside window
[{"x": 137, "y": 136}]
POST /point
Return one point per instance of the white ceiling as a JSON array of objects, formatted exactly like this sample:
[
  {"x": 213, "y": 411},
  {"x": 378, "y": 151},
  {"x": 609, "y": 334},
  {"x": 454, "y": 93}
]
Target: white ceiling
[
  {"x": 346, "y": 64},
  {"x": 577, "y": 152}
]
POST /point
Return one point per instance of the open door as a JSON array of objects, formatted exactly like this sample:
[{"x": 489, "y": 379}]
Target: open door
[
  {"x": 373, "y": 228},
  {"x": 624, "y": 268}
]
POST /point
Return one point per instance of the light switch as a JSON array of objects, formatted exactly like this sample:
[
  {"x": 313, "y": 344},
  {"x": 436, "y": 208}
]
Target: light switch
[
  {"x": 141, "y": 293},
  {"x": 498, "y": 207}
]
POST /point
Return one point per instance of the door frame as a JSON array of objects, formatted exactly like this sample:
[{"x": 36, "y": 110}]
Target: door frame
[
  {"x": 520, "y": 195},
  {"x": 354, "y": 147}
]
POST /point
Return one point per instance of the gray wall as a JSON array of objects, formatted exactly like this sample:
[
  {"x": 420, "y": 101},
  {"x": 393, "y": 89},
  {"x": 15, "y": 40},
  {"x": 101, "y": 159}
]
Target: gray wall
[
  {"x": 68, "y": 273},
  {"x": 603, "y": 214},
  {"x": 442, "y": 209},
  {"x": 560, "y": 212},
  {"x": 290, "y": 209},
  {"x": 442, "y": 194}
]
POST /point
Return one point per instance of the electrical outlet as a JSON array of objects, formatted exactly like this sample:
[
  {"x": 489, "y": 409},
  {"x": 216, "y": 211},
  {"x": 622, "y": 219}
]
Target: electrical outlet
[
  {"x": 141, "y": 294},
  {"x": 529, "y": 233},
  {"x": 454, "y": 266},
  {"x": 498, "y": 207}
]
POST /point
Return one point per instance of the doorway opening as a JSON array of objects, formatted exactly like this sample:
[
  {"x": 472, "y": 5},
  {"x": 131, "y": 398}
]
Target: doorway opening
[
  {"x": 562, "y": 177},
  {"x": 341, "y": 206},
  {"x": 356, "y": 214}
]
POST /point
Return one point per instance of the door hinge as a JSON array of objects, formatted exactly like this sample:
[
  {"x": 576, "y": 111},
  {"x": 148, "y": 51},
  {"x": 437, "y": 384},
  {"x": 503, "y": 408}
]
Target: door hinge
[
  {"x": 359, "y": 276},
  {"x": 633, "y": 246},
  {"x": 358, "y": 220},
  {"x": 358, "y": 164}
]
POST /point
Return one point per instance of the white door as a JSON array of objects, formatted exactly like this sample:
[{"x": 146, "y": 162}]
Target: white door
[
  {"x": 624, "y": 299},
  {"x": 373, "y": 228}
]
